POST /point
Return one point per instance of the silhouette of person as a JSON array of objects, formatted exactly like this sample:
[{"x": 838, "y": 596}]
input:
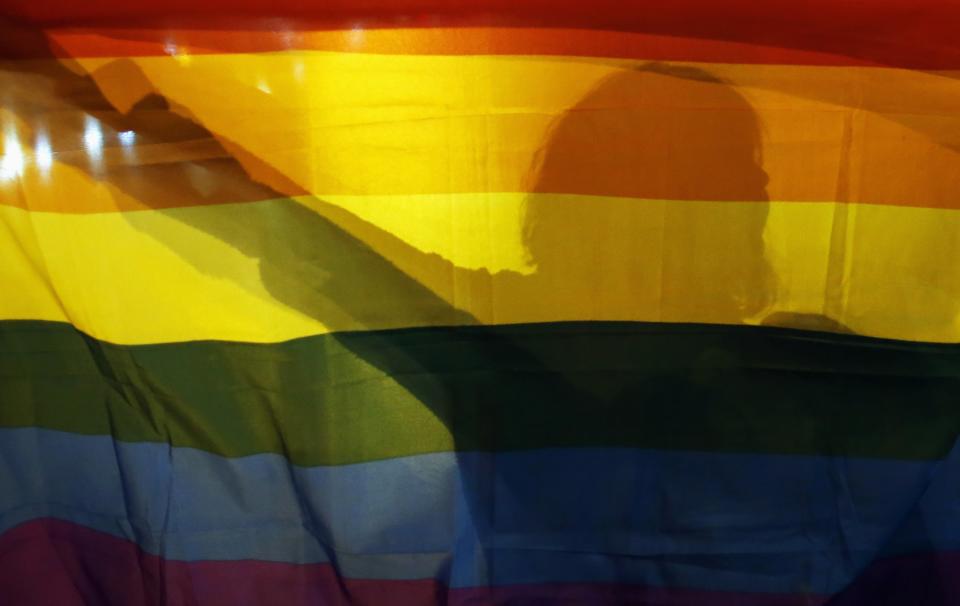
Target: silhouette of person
[
  {"x": 654, "y": 179},
  {"x": 637, "y": 206}
]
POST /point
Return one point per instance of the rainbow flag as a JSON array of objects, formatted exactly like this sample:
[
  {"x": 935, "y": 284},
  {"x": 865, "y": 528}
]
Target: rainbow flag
[{"x": 480, "y": 302}]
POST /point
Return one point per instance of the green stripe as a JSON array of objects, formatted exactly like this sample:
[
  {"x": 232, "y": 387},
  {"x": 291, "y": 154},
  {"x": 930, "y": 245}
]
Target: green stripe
[{"x": 350, "y": 397}]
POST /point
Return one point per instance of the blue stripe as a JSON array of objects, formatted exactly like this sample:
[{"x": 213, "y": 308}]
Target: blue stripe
[{"x": 735, "y": 522}]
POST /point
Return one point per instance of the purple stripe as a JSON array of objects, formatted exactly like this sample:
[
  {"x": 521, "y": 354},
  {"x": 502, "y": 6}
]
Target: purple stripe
[{"x": 53, "y": 562}]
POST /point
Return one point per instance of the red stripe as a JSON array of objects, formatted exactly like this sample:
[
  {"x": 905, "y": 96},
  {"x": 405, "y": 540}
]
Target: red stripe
[
  {"x": 605, "y": 13},
  {"x": 438, "y": 41},
  {"x": 907, "y": 33},
  {"x": 54, "y": 562}
]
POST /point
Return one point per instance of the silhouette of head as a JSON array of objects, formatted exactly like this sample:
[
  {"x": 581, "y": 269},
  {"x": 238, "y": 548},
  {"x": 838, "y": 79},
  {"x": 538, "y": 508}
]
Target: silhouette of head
[{"x": 669, "y": 159}]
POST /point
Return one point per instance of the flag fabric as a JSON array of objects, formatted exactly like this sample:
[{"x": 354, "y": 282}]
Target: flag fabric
[{"x": 422, "y": 302}]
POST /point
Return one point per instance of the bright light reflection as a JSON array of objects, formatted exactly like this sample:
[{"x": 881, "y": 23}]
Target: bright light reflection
[
  {"x": 92, "y": 136},
  {"x": 42, "y": 154},
  {"x": 93, "y": 141},
  {"x": 128, "y": 141},
  {"x": 298, "y": 71},
  {"x": 262, "y": 86},
  {"x": 127, "y": 138},
  {"x": 179, "y": 54},
  {"x": 355, "y": 37},
  {"x": 11, "y": 164}
]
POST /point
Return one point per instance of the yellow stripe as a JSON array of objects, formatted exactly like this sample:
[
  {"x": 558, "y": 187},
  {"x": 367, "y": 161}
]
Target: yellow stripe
[{"x": 275, "y": 270}]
